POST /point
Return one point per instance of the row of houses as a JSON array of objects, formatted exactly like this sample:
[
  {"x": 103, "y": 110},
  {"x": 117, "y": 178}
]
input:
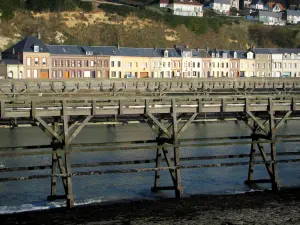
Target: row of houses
[
  {"x": 272, "y": 13},
  {"x": 267, "y": 12},
  {"x": 31, "y": 58}
]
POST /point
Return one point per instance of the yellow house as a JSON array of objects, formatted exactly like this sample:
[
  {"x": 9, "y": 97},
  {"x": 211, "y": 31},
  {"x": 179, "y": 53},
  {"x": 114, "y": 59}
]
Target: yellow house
[
  {"x": 11, "y": 68},
  {"x": 138, "y": 67}
]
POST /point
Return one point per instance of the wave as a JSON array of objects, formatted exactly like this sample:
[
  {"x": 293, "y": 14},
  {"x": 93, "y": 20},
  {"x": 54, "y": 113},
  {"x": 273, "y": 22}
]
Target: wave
[{"x": 43, "y": 206}]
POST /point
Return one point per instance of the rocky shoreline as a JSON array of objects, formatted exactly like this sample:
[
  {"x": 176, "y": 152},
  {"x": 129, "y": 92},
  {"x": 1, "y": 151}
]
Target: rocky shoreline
[{"x": 264, "y": 207}]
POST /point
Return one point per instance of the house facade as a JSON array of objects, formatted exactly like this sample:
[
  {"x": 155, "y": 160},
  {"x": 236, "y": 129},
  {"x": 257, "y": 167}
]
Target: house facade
[
  {"x": 221, "y": 6},
  {"x": 25, "y": 61},
  {"x": 293, "y": 16},
  {"x": 271, "y": 18},
  {"x": 183, "y": 7}
]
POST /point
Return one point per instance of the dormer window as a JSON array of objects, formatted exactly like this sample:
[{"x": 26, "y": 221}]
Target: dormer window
[
  {"x": 166, "y": 53},
  {"x": 36, "y": 48},
  {"x": 89, "y": 53},
  {"x": 235, "y": 55},
  {"x": 213, "y": 55},
  {"x": 218, "y": 55},
  {"x": 224, "y": 55}
]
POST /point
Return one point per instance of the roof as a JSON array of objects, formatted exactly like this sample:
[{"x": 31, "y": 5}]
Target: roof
[
  {"x": 277, "y": 50},
  {"x": 26, "y": 45},
  {"x": 273, "y": 4},
  {"x": 10, "y": 61},
  {"x": 164, "y": 1},
  {"x": 230, "y": 53},
  {"x": 270, "y": 14},
  {"x": 227, "y": 2},
  {"x": 293, "y": 12},
  {"x": 187, "y": 2},
  {"x": 257, "y": 2},
  {"x": 65, "y": 49}
]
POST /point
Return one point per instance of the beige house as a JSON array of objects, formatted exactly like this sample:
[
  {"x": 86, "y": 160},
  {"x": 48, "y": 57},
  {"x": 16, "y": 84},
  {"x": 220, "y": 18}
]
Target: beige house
[
  {"x": 11, "y": 68},
  {"x": 247, "y": 65},
  {"x": 220, "y": 63},
  {"x": 263, "y": 62}
]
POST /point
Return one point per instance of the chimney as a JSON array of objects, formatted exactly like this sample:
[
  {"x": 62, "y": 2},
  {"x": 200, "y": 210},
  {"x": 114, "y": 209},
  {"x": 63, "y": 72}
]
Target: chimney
[
  {"x": 175, "y": 46},
  {"x": 186, "y": 46},
  {"x": 207, "y": 48},
  {"x": 14, "y": 51},
  {"x": 118, "y": 46}
]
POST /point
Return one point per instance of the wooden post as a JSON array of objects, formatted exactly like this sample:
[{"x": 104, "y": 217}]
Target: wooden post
[
  {"x": 178, "y": 188},
  {"x": 272, "y": 134},
  {"x": 54, "y": 163},
  {"x": 157, "y": 164},
  {"x": 70, "y": 199}
]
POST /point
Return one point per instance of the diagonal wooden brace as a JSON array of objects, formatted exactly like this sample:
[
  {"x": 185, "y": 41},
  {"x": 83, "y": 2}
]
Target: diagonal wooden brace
[
  {"x": 283, "y": 120},
  {"x": 81, "y": 126},
  {"x": 257, "y": 122},
  {"x": 49, "y": 129},
  {"x": 159, "y": 124},
  {"x": 183, "y": 128}
]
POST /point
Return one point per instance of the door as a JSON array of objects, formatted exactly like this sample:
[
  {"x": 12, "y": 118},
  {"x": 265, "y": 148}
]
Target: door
[
  {"x": 93, "y": 74},
  {"x": 44, "y": 74},
  {"x": 143, "y": 74},
  {"x": 67, "y": 75}
]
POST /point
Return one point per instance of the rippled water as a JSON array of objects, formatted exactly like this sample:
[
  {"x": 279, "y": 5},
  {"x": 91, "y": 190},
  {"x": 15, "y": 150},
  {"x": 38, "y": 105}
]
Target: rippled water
[{"x": 32, "y": 194}]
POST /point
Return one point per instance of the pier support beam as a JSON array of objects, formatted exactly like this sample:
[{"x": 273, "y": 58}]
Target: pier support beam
[{"x": 61, "y": 143}]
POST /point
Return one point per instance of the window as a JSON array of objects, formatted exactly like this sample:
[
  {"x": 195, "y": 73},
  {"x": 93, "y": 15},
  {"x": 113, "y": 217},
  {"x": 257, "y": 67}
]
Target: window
[
  {"x": 79, "y": 74},
  {"x": 10, "y": 74},
  {"x": 257, "y": 65},
  {"x": 164, "y": 64},
  {"x": 136, "y": 64},
  {"x": 62, "y": 63},
  {"x": 20, "y": 75},
  {"x": 194, "y": 64},
  {"x": 119, "y": 63},
  {"x": 222, "y": 65},
  {"x": 112, "y": 64},
  {"x": 35, "y": 74},
  {"x": 86, "y": 63},
  {"x": 36, "y": 48},
  {"x": 169, "y": 64},
  {"x": 113, "y": 74},
  {"x": 60, "y": 74},
  {"x": 73, "y": 63},
  {"x": 44, "y": 62},
  {"x": 78, "y": 63},
  {"x": 198, "y": 64},
  {"x": 28, "y": 61},
  {"x": 36, "y": 61},
  {"x": 67, "y": 63},
  {"x": 92, "y": 63},
  {"x": 295, "y": 65},
  {"x": 135, "y": 74},
  {"x": 54, "y": 74},
  {"x": 72, "y": 74},
  {"x": 28, "y": 73}
]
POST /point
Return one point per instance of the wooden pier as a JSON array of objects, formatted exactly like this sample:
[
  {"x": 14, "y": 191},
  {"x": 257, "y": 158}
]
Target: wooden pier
[
  {"x": 204, "y": 86},
  {"x": 64, "y": 117}
]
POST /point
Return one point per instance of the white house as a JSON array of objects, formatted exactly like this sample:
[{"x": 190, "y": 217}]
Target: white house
[
  {"x": 221, "y": 6},
  {"x": 271, "y": 18},
  {"x": 275, "y": 7},
  {"x": 258, "y": 5},
  {"x": 183, "y": 7},
  {"x": 163, "y": 3},
  {"x": 293, "y": 16}
]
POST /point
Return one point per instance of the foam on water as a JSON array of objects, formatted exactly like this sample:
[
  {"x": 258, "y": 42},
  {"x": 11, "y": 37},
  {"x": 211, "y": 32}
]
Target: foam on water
[{"x": 43, "y": 205}]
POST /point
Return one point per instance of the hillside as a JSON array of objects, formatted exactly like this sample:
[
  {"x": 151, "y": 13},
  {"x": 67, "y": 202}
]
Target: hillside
[{"x": 143, "y": 27}]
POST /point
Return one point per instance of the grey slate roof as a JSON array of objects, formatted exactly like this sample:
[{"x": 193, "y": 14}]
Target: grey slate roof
[
  {"x": 293, "y": 12},
  {"x": 26, "y": 45},
  {"x": 270, "y": 14},
  {"x": 222, "y": 1},
  {"x": 230, "y": 54},
  {"x": 10, "y": 61},
  {"x": 65, "y": 49},
  {"x": 277, "y": 50}
]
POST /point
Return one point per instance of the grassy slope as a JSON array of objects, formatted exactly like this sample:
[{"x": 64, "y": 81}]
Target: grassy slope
[{"x": 100, "y": 28}]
